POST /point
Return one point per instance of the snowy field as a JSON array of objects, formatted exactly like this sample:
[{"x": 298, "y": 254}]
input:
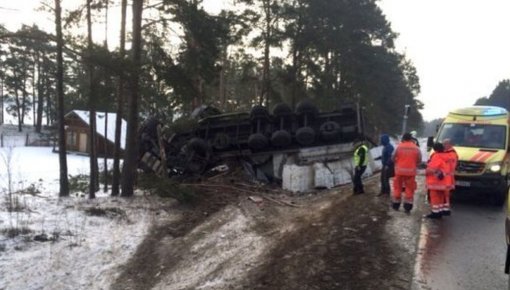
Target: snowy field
[{"x": 52, "y": 243}]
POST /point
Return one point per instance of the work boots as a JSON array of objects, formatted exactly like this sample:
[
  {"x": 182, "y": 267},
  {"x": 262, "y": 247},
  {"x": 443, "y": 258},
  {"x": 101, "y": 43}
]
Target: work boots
[
  {"x": 434, "y": 215},
  {"x": 395, "y": 205},
  {"x": 408, "y": 207}
]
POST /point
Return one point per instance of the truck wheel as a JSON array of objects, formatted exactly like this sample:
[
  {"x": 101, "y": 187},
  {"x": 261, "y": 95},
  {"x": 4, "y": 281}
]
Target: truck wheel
[
  {"x": 258, "y": 112},
  {"x": 221, "y": 141},
  {"x": 257, "y": 141},
  {"x": 198, "y": 155},
  {"x": 329, "y": 130},
  {"x": 305, "y": 136},
  {"x": 281, "y": 138},
  {"x": 306, "y": 107},
  {"x": 282, "y": 110}
]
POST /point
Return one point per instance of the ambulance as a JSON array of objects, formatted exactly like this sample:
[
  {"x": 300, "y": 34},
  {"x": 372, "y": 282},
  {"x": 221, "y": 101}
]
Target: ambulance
[{"x": 479, "y": 134}]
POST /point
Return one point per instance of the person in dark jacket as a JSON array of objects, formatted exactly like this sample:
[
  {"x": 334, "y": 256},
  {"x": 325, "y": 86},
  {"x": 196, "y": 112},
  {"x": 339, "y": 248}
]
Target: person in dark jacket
[
  {"x": 387, "y": 165},
  {"x": 360, "y": 162}
]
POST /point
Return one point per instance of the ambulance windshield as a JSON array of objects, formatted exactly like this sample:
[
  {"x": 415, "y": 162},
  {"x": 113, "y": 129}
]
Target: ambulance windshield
[{"x": 474, "y": 135}]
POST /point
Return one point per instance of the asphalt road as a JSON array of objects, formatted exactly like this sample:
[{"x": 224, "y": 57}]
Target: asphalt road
[{"x": 464, "y": 251}]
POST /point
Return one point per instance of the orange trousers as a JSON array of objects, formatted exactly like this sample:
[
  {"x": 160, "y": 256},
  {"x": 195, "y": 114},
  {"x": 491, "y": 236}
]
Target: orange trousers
[
  {"x": 409, "y": 183},
  {"x": 447, "y": 194},
  {"x": 437, "y": 200}
]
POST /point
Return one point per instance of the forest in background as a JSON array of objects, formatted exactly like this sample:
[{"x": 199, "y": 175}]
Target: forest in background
[{"x": 173, "y": 56}]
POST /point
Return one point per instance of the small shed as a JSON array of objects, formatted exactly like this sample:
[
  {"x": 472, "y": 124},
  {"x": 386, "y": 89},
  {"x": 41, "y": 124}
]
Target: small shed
[{"x": 77, "y": 127}]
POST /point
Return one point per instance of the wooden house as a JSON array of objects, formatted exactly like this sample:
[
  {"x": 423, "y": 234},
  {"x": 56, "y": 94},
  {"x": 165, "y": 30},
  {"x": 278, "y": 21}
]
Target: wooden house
[{"x": 77, "y": 127}]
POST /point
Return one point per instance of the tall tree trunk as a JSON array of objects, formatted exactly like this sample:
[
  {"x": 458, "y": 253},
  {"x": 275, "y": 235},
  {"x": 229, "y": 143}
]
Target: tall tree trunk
[
  {"x": 131, "y": 155},
  {"x": 294, "y": 77},
  {"x": 120, "y": 104},
  {"x": 34, "y": 86},
  {"x": 49, "y": 117},
  {"x": 24, "y": 95},
  {"x": 222, "y": 89},
  {"x": 264, "y": 96},
  {"x": 105, "y": 160},
  {"x": 62, "y": 154},
  {"x": 94, "y": 181},
  {"x": 1, "y": 101},
  {"x": 17, "y": 99},
  {"x": 18, "y": 107},
  {"x": 105, "y": 188},
  {"x": 40, "y": 99}
]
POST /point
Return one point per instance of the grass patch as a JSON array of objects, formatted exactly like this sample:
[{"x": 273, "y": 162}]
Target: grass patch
[
  {"x": 164, "y": 187},
  {"x": 32, "y": 189},
  {"x": 78, "y": 183},
  {"x": 110, "y": 212},
  {"x": 14, "y": 204},
  {"x": 14, "y": 232}
]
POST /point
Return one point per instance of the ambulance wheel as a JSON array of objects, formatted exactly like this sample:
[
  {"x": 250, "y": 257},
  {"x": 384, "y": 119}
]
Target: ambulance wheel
[
  {"x": 507, "y": 263},
  {"x": 500, "y": 196}
]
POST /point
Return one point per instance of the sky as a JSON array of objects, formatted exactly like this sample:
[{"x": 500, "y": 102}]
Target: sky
[{"x": 461, "y": 49}]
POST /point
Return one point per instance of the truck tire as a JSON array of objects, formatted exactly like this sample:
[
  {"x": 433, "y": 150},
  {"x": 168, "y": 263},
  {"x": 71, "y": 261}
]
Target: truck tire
[
  {"x": 259, "y": 112},
  {"x": 198, "y": 155},
  {"x": 305, "y": 136},
  {"x": 281, "y": 138},
  {"x": 282, "y": 110},
  {"x": 329, "y": 130},
  {"x": 221, "y": 141},
  {"x": 306, "y": 107},
  {"x": 257, "y": 141}
]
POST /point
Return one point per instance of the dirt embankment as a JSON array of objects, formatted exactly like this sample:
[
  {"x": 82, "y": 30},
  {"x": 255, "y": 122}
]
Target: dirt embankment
[{"x": 330, "y": 240}]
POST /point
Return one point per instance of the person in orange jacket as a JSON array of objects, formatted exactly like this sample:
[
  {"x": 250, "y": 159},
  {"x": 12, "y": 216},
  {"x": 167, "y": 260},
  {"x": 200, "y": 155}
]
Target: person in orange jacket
[
  {"x": 406, "y": 158},
  {"x": 451, "y": 158},
  {"x": 436, "y": 181}
]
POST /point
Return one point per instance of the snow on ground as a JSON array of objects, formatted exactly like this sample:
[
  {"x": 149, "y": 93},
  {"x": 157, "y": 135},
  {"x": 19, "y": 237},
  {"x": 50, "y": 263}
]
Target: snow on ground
[
  {"x": 221, "y": 250},
  {"x": 86, "y": 249}
]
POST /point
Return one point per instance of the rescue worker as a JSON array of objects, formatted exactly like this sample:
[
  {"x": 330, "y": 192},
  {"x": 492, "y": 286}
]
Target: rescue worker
[
  {"x": 406, "y": 158},
  {"x": 451, "y": 158},
  {"x": 360, "y": 165},
  {"x": 436, "y": 181},
  {"x": 387, "y": 170}
]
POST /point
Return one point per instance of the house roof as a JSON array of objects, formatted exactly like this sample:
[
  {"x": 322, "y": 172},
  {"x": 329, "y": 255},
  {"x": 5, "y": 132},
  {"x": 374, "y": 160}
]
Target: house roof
[{"x": 100, "y": 123}]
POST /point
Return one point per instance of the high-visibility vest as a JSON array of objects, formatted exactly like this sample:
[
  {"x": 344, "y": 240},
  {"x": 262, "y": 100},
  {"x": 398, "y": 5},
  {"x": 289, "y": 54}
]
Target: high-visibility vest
[
  {"x": 451, "y": 158},
  {"x": 407, "y": 157},
  {"x": 435, "y": 165},
  {"x": 356, "y": 156}
]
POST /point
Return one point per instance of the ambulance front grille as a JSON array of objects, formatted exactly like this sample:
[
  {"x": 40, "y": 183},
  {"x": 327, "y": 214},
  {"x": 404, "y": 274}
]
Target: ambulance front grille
[{"x": 470, "y": 167}]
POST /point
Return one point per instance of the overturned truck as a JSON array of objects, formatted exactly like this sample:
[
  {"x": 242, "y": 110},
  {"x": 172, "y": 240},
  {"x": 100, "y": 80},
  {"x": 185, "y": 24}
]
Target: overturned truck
[{"x": 210, "y": 138}]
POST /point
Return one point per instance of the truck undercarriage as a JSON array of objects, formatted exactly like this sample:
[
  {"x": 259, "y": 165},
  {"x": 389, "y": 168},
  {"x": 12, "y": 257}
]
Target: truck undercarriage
[{"x": 212, "y": 137}]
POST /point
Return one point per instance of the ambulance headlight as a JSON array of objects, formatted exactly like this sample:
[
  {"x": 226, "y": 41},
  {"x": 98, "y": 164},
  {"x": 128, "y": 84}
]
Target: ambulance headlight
[{"x": 494, "y": 167}]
